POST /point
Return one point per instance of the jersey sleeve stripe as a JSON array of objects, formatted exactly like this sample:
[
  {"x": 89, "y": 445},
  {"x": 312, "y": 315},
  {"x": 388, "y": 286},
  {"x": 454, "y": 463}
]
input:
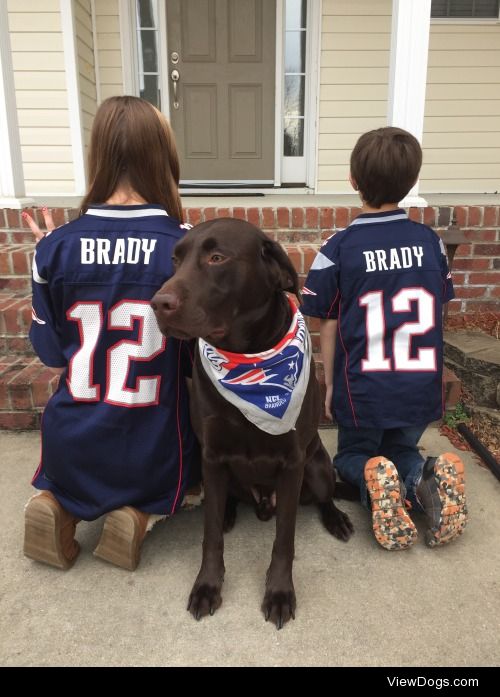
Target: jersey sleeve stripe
[
  {"x": 36, "y": 276},
  {"x": 321, "y": 262}
]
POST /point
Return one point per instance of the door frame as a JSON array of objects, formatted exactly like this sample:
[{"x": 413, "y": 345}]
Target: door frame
[
  {"x": 128, "y": 33},
  {"x": 306, "y": 169}
]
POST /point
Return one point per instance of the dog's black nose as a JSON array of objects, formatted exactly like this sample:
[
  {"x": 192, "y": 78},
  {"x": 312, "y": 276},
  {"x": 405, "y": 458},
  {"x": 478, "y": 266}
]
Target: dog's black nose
[{"x": 166, "y": 302}]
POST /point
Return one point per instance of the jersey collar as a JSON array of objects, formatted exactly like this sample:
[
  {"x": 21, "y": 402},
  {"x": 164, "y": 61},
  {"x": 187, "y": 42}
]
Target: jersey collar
[
  {"x": 144, "y": 210},
  {"x": 384, "y": 217}
]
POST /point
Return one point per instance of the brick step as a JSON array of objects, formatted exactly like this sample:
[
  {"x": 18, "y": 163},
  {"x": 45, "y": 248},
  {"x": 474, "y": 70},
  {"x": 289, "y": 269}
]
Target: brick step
[
  {"x": 15, "y": 321},
  {"x": 20, "y": 283},
  {"x": 16, "y": 237},
  {"x": 25, "y": 386},
  {"x": 15, "y": 266},
  {"x": 14, "y": 230},
  {"x": 17, "y": 346}
]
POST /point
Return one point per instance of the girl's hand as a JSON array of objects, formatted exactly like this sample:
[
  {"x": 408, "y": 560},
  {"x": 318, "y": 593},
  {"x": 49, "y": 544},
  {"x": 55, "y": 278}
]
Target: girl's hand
[{"x": 49, "y": 223}]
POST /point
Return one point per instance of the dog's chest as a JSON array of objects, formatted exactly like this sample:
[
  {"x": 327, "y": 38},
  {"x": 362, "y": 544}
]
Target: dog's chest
[{"x": 251, "y": 454}]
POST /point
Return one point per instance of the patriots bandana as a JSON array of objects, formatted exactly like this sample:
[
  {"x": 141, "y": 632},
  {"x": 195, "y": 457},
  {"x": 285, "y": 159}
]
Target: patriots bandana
[{"x": 268, "y": 388}]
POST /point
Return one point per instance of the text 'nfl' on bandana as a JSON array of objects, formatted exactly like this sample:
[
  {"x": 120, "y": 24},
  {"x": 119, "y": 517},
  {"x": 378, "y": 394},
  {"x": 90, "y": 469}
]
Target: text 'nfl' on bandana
[{"x": 268, "y": 388}]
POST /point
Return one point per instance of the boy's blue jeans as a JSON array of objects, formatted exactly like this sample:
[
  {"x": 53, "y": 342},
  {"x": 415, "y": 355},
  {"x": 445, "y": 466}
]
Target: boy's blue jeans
[{"x": 357, "y": 445}]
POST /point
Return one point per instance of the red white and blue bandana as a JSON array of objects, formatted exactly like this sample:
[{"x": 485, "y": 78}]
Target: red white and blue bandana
[{"x": 268, "y": 388}]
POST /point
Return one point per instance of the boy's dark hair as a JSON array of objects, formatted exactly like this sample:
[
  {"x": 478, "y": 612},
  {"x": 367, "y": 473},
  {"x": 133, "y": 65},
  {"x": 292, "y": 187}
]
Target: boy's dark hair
[{"x": 385, "y": 164}]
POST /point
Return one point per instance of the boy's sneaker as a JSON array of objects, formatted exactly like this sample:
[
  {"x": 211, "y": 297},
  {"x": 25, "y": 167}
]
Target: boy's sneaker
[
  {"x": 49, "y": 532},
  {"x": 441, "y": 493},
  {"x": 392, "y": 525},
  {"x": 122, "y": 537}
]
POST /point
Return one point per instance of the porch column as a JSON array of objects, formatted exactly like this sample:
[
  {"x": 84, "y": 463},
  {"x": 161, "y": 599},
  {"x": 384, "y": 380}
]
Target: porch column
[
  {"x": 12, "y": 192},
  {"x": 408, "y": 72},
  {"x": 73, "y": 92}
]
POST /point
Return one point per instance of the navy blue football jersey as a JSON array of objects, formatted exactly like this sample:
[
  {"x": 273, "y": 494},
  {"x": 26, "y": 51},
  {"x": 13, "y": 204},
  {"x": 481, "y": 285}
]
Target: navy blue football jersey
[
  {"x": 117, "y": 430},
  {"x": 385, "y": 279}
]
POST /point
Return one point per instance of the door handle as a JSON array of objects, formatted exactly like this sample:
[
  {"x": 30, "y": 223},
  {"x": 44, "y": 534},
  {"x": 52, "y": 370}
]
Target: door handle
[{"x": 175, "y": 76}]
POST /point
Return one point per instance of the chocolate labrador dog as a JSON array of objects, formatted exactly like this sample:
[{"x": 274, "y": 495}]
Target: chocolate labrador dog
[{"x": 229, "y": 291}]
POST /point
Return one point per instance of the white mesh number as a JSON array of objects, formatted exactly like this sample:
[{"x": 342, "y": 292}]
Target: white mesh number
[
  {"x": 375, "y": 332},
  {"x": 149, "y": 344},
  {"x": 426, "y": 357},
  {"x": 81, "y": 365},
  {"x": 376, "y": 359}
]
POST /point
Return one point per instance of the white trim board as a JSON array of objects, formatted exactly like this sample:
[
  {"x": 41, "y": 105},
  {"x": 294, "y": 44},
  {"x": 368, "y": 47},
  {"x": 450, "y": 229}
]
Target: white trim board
[
  {"x": 409, "y": 54},
  {"x": 162, "y": 48},
  {"x": 303, "y": 169},
  {"x": 128, "y": 44},
  {"x": 12, "y": 191},
  {"x": 315, "y": 79},
  {"x": 278, "y": 89}
]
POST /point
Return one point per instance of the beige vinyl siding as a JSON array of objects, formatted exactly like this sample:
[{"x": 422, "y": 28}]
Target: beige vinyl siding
[
  {"x": 354, "y": 76},
  {"x": 86, "y": 67},
  {"x": 462, "y": 111},
  {"x": 42, "y": 102},
  {"x": 109, "y": 55}
]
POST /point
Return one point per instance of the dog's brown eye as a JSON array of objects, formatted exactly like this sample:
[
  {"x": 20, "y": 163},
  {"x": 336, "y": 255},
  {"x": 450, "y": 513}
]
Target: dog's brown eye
[
  {"x": 216, "y": 259},
  {"x": 175, "y": 261}
]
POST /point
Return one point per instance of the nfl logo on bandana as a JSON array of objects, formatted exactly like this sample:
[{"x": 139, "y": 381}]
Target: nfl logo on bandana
[{"x": 267, "y": 388}]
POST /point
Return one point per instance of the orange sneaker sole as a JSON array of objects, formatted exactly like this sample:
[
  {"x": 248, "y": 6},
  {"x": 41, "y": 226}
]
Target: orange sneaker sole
[{"x": 392, "y": 526}]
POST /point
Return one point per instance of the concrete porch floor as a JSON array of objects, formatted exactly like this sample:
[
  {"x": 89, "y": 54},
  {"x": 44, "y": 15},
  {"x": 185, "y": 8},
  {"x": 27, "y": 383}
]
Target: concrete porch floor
[{"x": 358, "y": 605}]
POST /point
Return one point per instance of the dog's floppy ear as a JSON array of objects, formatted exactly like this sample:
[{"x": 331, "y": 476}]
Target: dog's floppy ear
[{"x": 283, "y": 271}]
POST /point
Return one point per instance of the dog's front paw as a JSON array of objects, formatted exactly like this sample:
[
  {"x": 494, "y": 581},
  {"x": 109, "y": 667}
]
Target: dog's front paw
[
  {"x": 279, "y": 606},
  {"x": 204, "y": 600},
  {"x": 336, "y": 522}
]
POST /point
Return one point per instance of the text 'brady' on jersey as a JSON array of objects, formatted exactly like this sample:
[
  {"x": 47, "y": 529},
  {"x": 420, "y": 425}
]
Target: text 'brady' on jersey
[
  {"x": 117, "y": 431},
  {"x": 385, "y": 279}
]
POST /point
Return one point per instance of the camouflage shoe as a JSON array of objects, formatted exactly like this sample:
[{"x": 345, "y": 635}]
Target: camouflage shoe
[
  {"x": 392, "y": 526},
  {"x": 441, "y": 493}
]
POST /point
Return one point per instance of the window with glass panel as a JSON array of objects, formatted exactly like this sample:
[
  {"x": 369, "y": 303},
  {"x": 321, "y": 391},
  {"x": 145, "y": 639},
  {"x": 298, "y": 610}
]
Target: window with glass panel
[
  {"x": 147, "y": 43},
  {"x": 295, "y": 77},
  {"x": 476, "y": 9}
]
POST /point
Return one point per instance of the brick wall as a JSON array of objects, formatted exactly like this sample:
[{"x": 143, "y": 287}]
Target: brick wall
[
  {"x": 25, "y": 384},
  {"x": 476, "y": 267}
]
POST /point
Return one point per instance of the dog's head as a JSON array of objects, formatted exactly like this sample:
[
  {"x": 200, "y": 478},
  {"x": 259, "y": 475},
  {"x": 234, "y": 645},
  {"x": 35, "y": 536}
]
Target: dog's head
[{"x": 225, "y": 270}]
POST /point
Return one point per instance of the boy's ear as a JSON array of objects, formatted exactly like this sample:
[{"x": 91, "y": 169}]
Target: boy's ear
[{"x": 353, "y": 182}]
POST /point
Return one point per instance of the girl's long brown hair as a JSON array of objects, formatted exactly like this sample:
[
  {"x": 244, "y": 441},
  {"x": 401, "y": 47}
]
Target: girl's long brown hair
[{"x": 132, "y": 140}]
